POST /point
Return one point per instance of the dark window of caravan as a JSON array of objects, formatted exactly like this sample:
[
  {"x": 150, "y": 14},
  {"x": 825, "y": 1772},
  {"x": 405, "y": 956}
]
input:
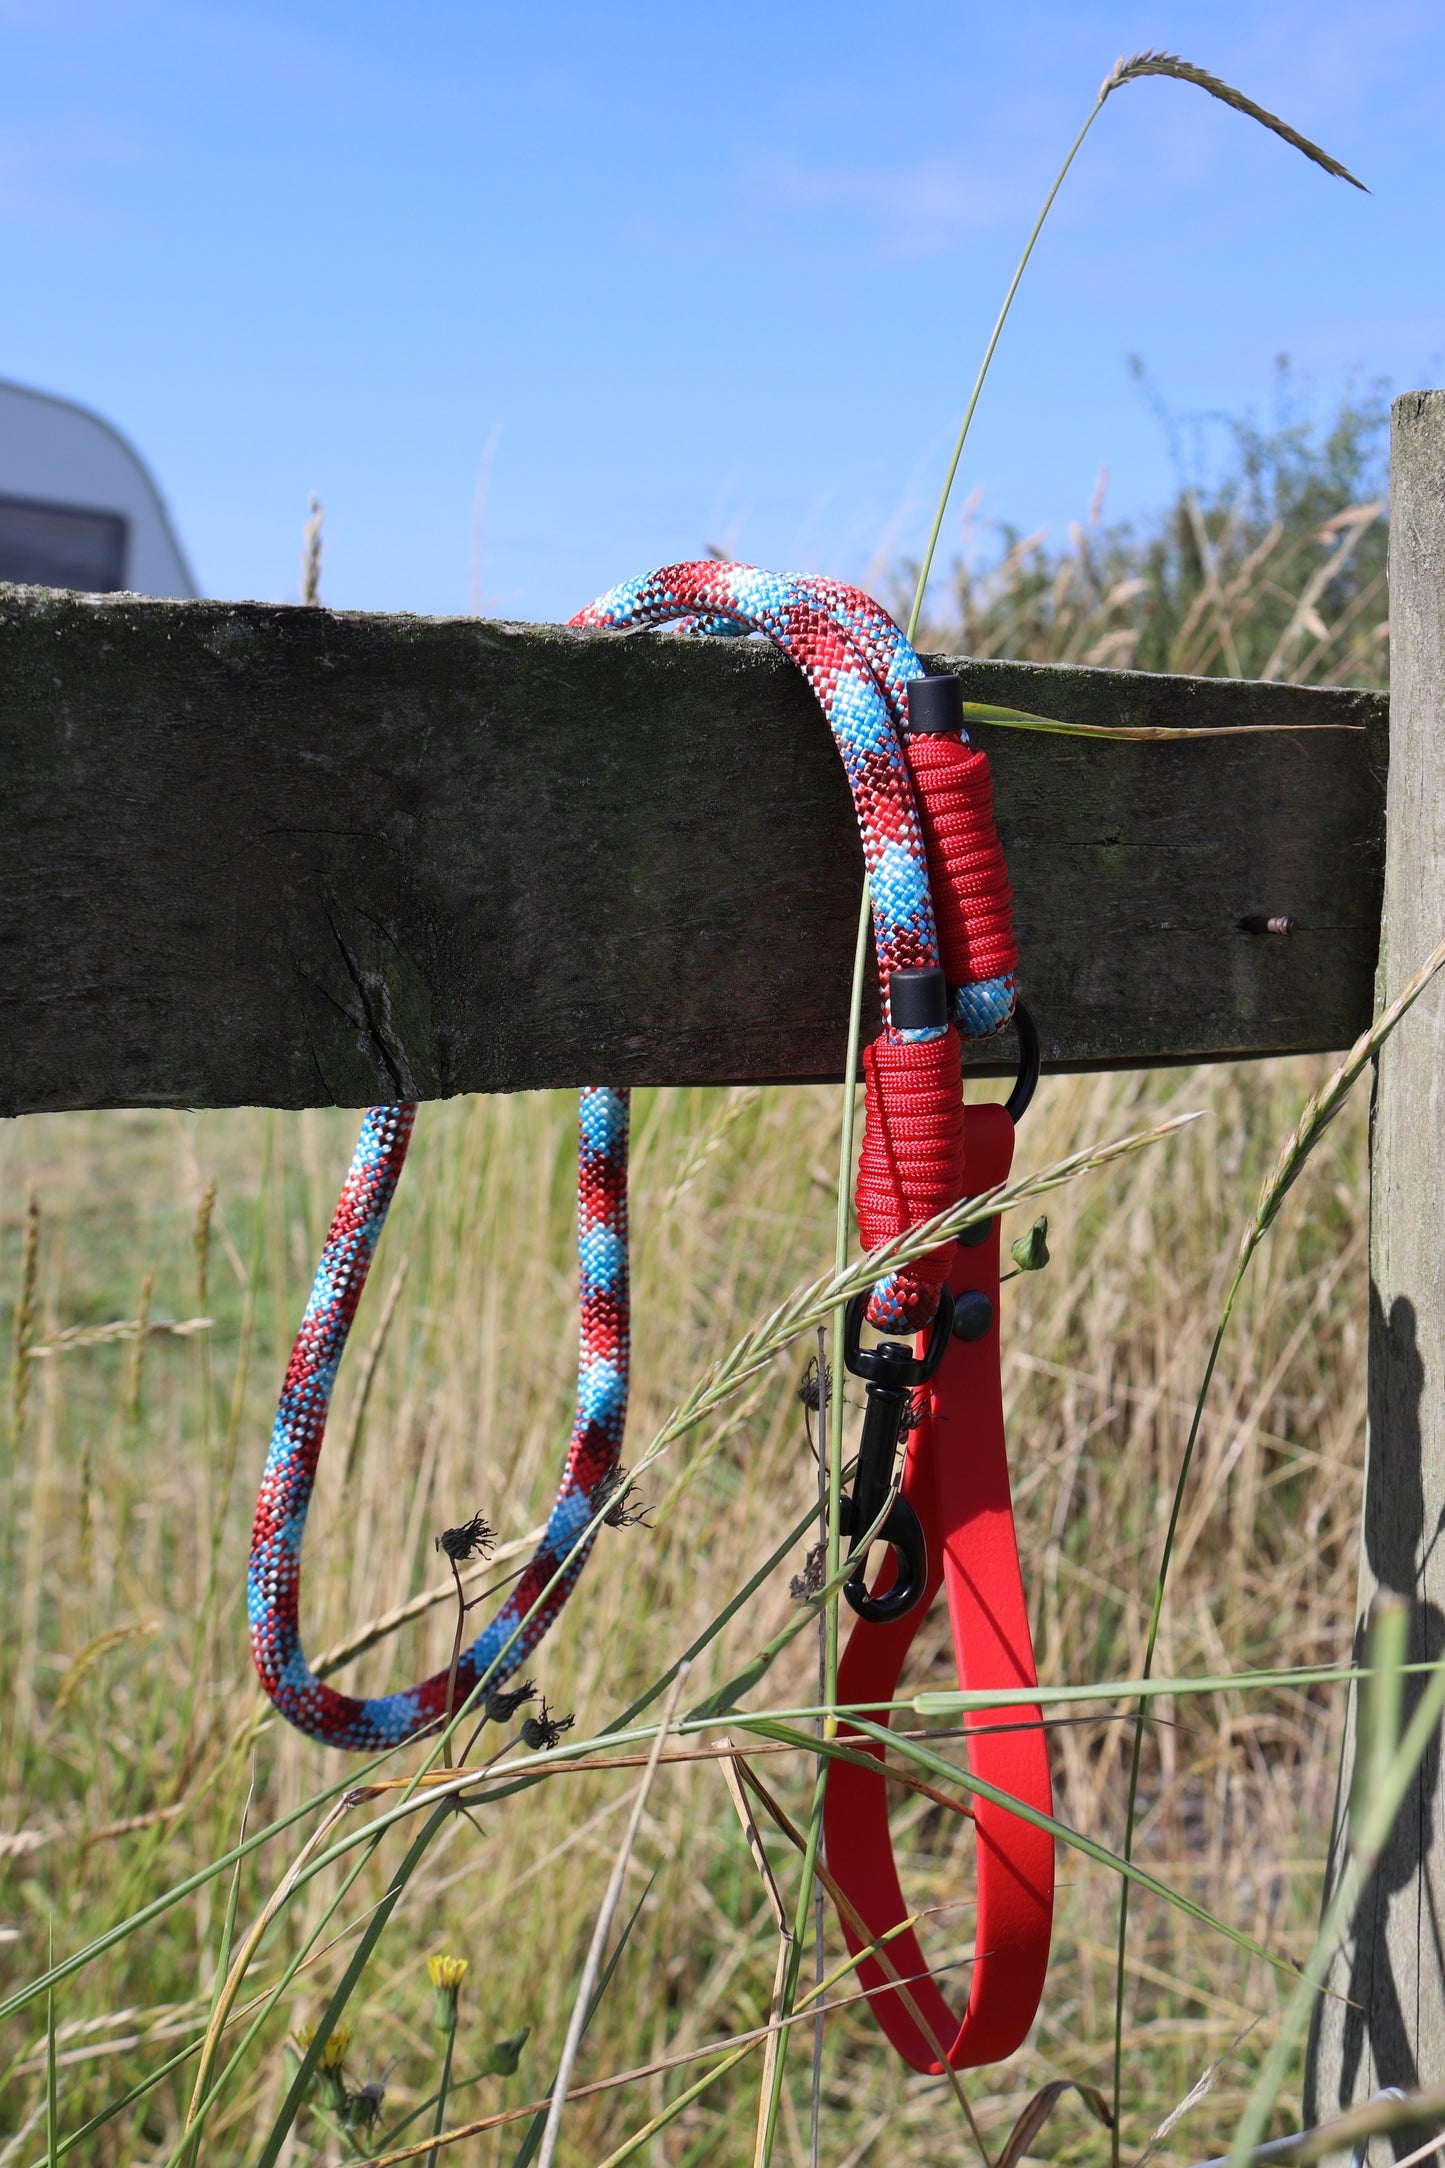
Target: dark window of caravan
[{"x": 62, "y": 545}]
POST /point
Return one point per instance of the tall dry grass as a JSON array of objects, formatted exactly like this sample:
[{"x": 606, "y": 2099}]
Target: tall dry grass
[
  {"x": 133, "y": 1728},
  {"x": 1269, "y": 562}
]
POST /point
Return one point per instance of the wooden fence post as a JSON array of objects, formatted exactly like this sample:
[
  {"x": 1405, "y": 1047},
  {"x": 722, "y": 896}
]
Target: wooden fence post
[{"x": 1391, "y": 2031}]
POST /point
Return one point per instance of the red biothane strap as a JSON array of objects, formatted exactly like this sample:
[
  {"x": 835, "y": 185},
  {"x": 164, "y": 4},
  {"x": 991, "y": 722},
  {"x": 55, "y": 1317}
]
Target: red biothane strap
[{"x": 956, "y": 1479}]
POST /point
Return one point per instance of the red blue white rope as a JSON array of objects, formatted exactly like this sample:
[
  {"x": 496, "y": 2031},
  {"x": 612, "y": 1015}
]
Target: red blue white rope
[
  {"x": 274, "y": 1577},
  {"x": 858, "y": 665}
]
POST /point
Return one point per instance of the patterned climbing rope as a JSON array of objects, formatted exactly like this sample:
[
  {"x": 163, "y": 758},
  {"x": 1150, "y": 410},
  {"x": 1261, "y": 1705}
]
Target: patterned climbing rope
[{"x": 859, "y": 666}]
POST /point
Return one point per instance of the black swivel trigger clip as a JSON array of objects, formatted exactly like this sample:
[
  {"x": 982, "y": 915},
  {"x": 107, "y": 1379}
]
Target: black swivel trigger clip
[{"x": 891, "y": 1371}]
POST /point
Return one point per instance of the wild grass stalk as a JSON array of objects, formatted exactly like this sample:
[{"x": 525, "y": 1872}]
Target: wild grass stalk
[
  {"x": 1388, "y": 1767},
  {"x": 1130, "y": 70},
  {"x": 592, "y": 1968}
]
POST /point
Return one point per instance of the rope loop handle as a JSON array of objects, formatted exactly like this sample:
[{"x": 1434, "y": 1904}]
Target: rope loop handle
[{"x": 922, "y": 807}]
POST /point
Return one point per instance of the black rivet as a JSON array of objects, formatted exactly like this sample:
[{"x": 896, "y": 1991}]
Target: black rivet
[
  {"x": 935, "y": 705},
  {"x": 917, "y": 998},
  {"x": 972, "y": 1315},
  {"x": 1261, "y": 924},
  {"x": 977, "y": 1233}
]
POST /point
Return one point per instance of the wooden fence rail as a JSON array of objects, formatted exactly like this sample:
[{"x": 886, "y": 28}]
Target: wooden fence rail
[{"x": 294, "y": 857}]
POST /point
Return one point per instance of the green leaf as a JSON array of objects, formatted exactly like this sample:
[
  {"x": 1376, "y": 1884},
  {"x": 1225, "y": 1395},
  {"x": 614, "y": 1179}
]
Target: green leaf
[
  {"x": 1382, "y": 1696},
  {"x": 1021, "y": 2138}
]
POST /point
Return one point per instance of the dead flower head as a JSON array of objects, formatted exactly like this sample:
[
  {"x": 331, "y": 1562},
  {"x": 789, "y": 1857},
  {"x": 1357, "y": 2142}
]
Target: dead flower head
[
  {"x": 544, "y": 1730},
  {"x": 503, "y": 1702},
  {"x": 815, "y": 1384},
  {"x": 807, "y": 1584},
  {"x": 475, "y": 1538},
  {"x": 625, "y": 1509}
]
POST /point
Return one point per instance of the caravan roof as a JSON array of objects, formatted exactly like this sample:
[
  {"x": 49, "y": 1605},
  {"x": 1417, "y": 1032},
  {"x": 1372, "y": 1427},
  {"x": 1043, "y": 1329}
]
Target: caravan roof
[{"x": 78, "y": 506}]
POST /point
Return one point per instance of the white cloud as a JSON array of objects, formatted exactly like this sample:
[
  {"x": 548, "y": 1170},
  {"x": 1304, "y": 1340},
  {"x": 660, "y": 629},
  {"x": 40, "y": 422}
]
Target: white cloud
[{"x": 907, "y": 213}]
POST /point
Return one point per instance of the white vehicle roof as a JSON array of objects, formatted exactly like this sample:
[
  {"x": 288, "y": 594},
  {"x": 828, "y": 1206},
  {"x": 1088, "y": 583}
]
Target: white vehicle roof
[{"x": 78, "y": 506}]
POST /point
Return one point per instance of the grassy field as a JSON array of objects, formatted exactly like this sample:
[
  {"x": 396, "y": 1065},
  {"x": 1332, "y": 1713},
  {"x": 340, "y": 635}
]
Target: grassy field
[{"x": 133, "y": 1729}]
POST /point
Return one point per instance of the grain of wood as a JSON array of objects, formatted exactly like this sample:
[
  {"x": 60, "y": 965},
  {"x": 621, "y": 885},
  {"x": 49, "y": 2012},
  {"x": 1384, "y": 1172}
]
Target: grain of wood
[{"x": 296, "y": 857}]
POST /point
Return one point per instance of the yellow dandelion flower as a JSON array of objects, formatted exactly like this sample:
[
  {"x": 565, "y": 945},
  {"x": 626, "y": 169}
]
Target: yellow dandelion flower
[
  {"x": 334, "y": 2054},
  {"x": 330, "y": 2087},
  {"x": 447, "y": 1975}
]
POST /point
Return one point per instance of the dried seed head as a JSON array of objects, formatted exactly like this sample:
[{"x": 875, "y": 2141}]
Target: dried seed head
[
  {"x": 807, "y": 1583},
  {"x": 475, "y": 1538},
  {"x": 813, "y": 1385},
  {"x": 1129, "y": 69},
  {"x": 544, "y": 1730},
  {"x": 503, "y": 1702},
  {"x": 624, "y": 1509},
  {"x": 628, "y": 1509},
  {"x": 914, "y": 1413}
]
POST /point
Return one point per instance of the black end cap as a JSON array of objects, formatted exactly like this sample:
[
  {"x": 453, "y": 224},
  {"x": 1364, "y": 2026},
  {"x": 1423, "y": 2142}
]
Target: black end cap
[
  {"x": 918, "y": 999},
  {"x": 935, "y": 705}
]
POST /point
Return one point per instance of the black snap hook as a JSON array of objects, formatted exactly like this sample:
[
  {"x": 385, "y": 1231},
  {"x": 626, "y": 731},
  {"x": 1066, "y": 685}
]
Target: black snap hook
[{"x": 891, "y": 1371}]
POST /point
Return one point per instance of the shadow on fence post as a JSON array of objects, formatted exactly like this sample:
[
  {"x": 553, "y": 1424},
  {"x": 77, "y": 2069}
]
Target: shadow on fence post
[{"x": 1391, "y": 2029}]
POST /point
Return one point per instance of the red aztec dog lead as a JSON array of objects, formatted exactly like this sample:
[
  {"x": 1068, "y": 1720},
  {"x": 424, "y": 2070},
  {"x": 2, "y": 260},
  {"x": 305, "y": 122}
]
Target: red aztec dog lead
[
  {"x": 956, "y": 1480},
  {"x": 946, "y": 959},
  {"x": 953, "y": 1519}
]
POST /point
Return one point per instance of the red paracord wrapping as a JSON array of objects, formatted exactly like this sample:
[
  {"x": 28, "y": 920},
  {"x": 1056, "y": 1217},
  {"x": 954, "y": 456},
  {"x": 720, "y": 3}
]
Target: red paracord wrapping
[
  {"x": 972, "y": 899},
  {"x": 911, "y": 1164}
]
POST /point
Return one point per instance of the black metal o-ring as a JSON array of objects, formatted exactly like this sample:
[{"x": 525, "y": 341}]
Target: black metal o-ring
[{"x": 1025, "y": 1083}]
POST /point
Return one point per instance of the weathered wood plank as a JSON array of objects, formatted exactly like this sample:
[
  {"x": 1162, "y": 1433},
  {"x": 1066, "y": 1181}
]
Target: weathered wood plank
[
  {"x": 292, "y": 857},
  {"x": 1385, "y": 2022}
]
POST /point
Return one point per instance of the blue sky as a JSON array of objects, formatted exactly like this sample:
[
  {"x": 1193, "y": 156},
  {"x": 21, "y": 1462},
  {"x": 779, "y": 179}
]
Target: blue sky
[{"x": 537, "y": 296}]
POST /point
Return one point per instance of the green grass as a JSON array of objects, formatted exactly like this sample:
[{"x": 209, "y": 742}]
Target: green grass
[{"x": 118, "y": 1499}]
